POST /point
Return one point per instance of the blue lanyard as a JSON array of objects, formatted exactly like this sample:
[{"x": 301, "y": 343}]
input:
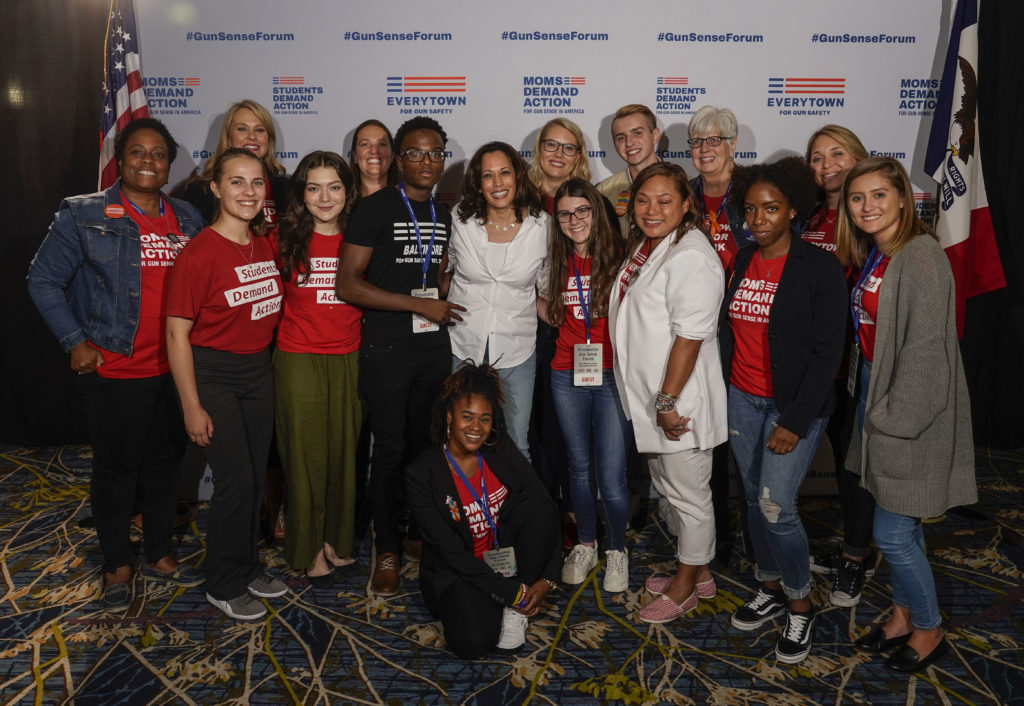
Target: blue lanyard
[
  {"x": 875, "y": 258},
  {"x": 579, "y": 291},
  {"x": 485, "y": 506},
  {"x": 419, "y": 239},
  {"x": 139, "y": 210}
]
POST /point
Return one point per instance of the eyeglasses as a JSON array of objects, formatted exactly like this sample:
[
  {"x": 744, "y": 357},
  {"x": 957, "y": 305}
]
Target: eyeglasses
[
  {"x": 712, "y": 141},
  {"x": 415, "y": 155},
  {"x": 568, "y": 150},
  {"x": 582, "y": 213}
]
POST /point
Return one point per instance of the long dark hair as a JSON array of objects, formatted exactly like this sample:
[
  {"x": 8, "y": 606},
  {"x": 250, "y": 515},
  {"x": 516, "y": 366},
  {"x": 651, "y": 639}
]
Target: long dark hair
[
  {"x": 258, "y": 225},
  {"x": 297, "y": 225},
  {"x": 678, "y": 176},
  {"x": 470, "y": 379},
  {"x": 392, "y": 168},
  {"x": 474, "y": 205},
  {"x": 605, "y": 248}
]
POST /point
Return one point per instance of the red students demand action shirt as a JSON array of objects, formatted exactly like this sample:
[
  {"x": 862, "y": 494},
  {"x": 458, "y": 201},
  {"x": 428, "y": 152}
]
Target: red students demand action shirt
[
  {"x": 231, "y": 292},
  {"x": 573, "y": 329}
]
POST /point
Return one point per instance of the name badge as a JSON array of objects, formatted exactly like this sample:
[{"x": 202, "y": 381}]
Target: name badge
[
  {"x": 502, "y": 560},
  {"x": 420, "y": 324},
  {"x": 587, "y": 364},
  {"x": 854, "y": 369}
]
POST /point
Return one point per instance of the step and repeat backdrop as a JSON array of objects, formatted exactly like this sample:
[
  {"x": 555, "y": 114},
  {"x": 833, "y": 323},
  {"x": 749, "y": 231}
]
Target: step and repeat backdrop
[{"x": 491, "y": 71}]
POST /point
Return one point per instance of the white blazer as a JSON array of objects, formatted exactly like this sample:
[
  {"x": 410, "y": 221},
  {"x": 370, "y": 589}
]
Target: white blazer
[
  {"x": 678, "y": 292},
  {"x": 501, "y": 305}
]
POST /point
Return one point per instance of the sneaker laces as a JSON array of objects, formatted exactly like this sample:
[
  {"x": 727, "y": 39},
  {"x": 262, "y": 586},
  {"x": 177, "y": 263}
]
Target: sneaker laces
[
  {"x": 616, "y": 561},
  {"x": 387, "y": 563},
  {"x": 796, "y": 625},
  {"x": 762, "y": 599},
  {"x": 580, "y": 555}
]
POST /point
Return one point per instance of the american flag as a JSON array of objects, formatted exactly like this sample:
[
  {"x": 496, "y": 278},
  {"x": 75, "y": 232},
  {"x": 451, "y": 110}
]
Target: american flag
[{"x": 124, "y": 99}]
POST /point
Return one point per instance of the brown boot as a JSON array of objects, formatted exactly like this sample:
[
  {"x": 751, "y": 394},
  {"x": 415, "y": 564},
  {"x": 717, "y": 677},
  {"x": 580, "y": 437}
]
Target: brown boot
[{"x": 385, "y": 575}]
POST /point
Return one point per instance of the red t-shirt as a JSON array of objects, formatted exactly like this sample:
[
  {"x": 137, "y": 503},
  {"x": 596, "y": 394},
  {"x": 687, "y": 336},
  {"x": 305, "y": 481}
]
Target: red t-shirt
[
  {"x": 865, "y": 303},
  {"x": 716, "y": 223},
  {"x": 821, "y": 231},
  {"x": 157, "y": 254},
  {"x": 231, "y": 292},
  {"x": 479, "y": 527},
  {"x": 749, "y": 310},
  {"x": 314, "y": 319},
  {"x": 573, "y": 329}
]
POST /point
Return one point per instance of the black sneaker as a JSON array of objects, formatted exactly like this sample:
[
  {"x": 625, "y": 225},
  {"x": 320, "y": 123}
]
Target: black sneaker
[
  {"x": 828, "y": 562},
  {"x": 847, "y": 584},
  {"x": 795, "y": 641},
  {"x": 763, "y": 607}
]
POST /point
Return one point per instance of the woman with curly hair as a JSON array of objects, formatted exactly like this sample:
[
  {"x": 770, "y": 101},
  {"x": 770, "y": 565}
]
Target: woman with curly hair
[
  {"x": 490, "y": 529},
  {"x": 316, "y": 371},
  {"x": 782, "y": 327},
  {"x": 912, "y": 442},
  {"x": 247, "y": 125},
  {"x": 496, "y": 259},
  {"x": 586, "y": 250}
]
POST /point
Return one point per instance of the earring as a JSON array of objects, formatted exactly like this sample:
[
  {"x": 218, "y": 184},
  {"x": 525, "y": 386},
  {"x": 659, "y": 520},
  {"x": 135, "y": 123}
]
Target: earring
[
  {"x": 491, "y": 441},
  {"x": 448, "y": 431}
]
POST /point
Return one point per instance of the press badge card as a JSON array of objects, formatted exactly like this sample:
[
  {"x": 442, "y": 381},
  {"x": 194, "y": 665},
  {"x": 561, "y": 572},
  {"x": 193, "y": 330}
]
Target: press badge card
[
  {"x": 419, "y": 324},
  {"x": 587, "y": 366},
  {"x": 502, "y": 560}
]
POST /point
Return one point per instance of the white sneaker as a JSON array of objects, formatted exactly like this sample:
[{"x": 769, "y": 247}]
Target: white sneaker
[
  {"x": 616, "y": 571},
  {"x": 243, "y": 607},
  {"x": 513, "y": 630},
  {"x": 580, "y": 562}
]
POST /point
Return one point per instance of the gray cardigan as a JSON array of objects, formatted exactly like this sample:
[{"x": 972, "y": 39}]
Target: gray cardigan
[{"x": 916, "y": 455}]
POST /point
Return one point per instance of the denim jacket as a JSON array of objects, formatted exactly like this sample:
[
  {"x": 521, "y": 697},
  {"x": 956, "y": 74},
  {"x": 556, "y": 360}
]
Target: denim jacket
[{"x": 86, "y": 277}]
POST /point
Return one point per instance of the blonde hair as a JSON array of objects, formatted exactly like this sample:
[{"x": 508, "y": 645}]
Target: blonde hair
[
  {"x": 269, "y": 160},
  {"x": 582, "y": 168},
  {"x": 636, "y": 109},
  {"x": 846, "y": 138}
]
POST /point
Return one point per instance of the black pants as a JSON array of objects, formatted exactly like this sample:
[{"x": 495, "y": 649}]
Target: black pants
[
  {"x": 857, "y": 504},
  {"x": 399, "y": 386},
  {"x": 138, "y": 438},
  {"x": 547, "y": 444},
  {"x": 237, "y": 391},
  {"x": 470, "y": 617}
]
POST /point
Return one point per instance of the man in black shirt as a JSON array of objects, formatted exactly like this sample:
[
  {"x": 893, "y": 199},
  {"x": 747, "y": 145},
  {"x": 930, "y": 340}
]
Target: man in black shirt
[{"x": 389, "y": 265}]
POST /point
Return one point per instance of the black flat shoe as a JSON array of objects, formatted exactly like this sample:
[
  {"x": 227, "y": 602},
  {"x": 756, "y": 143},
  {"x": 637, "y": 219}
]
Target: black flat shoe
[
  {"x": 906, "y": 659},
  {"x": 876, "y": 642},
  {"x": 325, "y": 581}
]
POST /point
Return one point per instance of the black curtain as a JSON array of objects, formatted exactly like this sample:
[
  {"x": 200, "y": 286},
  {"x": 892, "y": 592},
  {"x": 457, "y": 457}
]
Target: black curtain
[
  {"x": 993, "y": 340},
  {"x": 52, "y": 73}
]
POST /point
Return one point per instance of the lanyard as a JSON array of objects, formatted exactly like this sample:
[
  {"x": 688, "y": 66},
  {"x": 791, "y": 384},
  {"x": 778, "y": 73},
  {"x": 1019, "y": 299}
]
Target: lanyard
[
  {"x": 139, "y": 210},
  {"x": 583, "y": 299},
  {"x": 875, "y": 258},
  {"x": 485, "y": 506},
  {"x": 419, "y": 239}
]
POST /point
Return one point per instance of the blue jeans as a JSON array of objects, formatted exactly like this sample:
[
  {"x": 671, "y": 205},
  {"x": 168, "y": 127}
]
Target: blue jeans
[
  {"x": 592, "y": 418},
  {"x": 517, "y": 384},
  {"x": 901, "y": 539},
  {"x": 771, "y": 484}
]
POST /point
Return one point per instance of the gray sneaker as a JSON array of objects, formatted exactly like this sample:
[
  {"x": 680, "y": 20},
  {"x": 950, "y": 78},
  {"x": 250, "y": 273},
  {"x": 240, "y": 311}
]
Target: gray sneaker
[
  {"x": 243, "y": 607},
  {"x": 266, "y": 586}
]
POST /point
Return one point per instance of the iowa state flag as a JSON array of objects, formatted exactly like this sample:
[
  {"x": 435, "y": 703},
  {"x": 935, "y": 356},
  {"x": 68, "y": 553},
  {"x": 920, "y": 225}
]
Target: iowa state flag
[{"x": 964, "y": 225}]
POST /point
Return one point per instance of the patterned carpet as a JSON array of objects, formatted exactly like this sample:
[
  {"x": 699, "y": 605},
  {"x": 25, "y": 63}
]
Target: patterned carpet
[{"x": 344, "y": 646}]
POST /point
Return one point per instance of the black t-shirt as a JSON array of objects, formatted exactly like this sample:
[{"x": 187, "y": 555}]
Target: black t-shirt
[{"x": 381, "y": 221}]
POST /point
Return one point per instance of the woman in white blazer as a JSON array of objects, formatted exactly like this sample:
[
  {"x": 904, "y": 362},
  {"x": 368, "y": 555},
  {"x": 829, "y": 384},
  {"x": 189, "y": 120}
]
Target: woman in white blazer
[{"x": 663, "y": 320}]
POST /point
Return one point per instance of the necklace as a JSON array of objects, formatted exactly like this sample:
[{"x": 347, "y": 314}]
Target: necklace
[
  {"x": 764, "y": 263},
  {"x": 504, "y": 228},
  {"x": 252, "y": 244}
]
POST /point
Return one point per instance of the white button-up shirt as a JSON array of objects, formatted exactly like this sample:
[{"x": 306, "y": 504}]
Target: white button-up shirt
[{"x": 501, "y": 304}]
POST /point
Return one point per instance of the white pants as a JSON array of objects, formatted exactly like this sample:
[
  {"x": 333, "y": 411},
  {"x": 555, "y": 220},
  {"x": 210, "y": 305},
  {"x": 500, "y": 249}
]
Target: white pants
[{"x": 683, "y": 479}]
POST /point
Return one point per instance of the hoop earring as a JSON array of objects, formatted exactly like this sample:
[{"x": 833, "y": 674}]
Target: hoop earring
[
  {"x": 448, "y": 432},
  {"x": 488, "y": 441}
]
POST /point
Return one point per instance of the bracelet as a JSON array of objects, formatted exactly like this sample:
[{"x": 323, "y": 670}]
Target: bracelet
[
  {"x": 521, "y": 596},
  {"x": 664, "y": 402},
  {"x": 551, "y": 584}
]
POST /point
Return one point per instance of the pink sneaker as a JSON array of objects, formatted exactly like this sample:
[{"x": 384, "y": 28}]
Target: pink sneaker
[
  {"x": 659, "y": 584},
  {"x": 662, "y": 609}
]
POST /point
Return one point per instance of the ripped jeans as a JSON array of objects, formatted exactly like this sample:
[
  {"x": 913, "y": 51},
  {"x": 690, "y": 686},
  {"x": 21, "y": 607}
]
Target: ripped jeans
[{"x": 771, "y": 484}]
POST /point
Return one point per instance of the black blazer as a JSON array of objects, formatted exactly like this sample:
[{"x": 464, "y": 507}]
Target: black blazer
[
  {"x": 806, "y": 332},
  {"x": 447, "y": 543}
]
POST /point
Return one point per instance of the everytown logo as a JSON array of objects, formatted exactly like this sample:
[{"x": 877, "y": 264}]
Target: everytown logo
[
  {"x": 806, "y": 96},
  {"x": 552, "y": 94},
  {"x": 169, "y": 95},
  {"x": 293, "y": 97},
  {"x": 443, "y": 94},
  {"x": 676, "y": 96}
]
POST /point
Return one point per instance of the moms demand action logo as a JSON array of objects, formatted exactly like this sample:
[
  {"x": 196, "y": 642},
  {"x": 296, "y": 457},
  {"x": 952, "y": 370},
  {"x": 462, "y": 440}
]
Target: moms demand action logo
[
  {"x": 293, "y": 97},
  {"x": 443, "y": 93},
  {"x": 919, "y": 96},
  {"x": 170, "y": 95},
  {"x": 806, "y": 96},
  {"x": 675, "y": 95},
  {"x": 552, "y": 94}
]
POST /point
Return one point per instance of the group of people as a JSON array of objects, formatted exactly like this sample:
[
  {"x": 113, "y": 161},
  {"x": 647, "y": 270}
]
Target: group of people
[{"x": 528, "y": 350}]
